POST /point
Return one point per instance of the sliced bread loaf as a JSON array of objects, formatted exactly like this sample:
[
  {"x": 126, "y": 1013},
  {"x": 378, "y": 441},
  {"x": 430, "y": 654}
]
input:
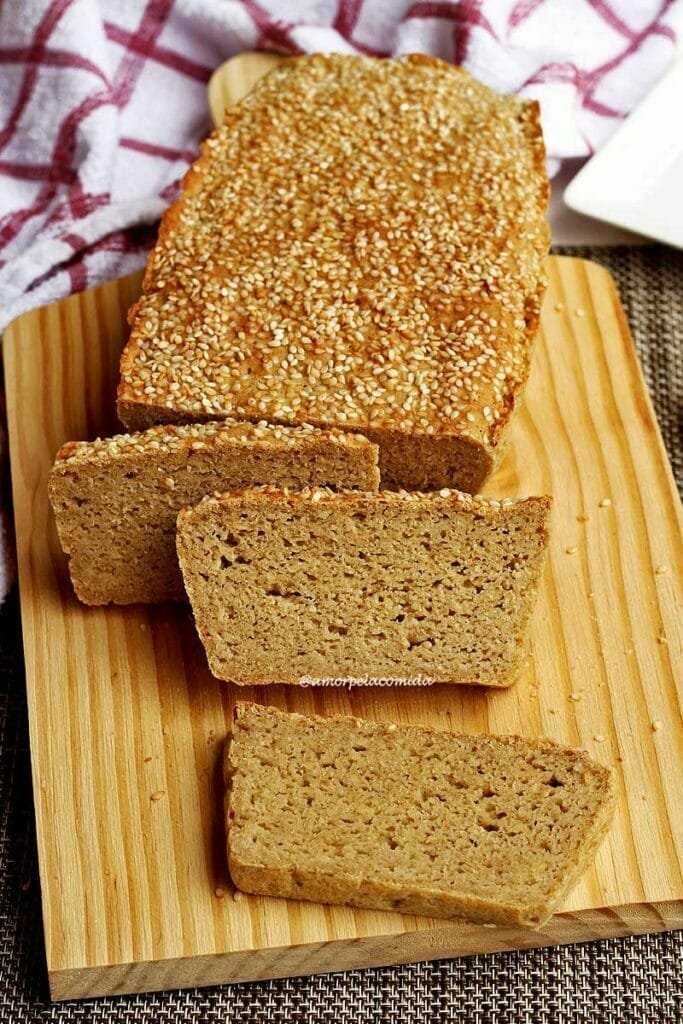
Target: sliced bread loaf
[
  {"x": 298, "y": 587},
  {"x": 116, "y": 500},
  {"x": 491, "y": 828}
]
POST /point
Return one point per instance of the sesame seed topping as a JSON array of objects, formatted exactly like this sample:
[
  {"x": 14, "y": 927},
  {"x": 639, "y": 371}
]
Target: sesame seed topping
[
  {"x": 605, "y": 503},
  {"x": 571, "y": 551},
  {"x": 168, "y": 439},
  {"x": 378, "y": 263}
]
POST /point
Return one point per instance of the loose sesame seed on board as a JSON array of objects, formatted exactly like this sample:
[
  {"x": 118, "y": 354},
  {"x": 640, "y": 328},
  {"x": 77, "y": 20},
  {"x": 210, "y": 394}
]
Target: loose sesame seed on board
[{"x": 378, "y": 263}]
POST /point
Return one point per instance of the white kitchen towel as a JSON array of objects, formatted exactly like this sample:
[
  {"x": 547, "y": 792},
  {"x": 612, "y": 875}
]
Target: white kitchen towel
[{"x": 102, "y": 103}]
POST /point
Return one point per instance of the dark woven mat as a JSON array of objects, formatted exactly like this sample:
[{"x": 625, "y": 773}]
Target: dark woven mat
[{"x": 630, "y": 980}]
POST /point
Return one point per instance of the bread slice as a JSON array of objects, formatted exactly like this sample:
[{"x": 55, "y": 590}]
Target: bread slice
[
  {"x": 493, "y": 828},
  {"x": 116, "y": 500},
  {"x": 360, "y": 246},
  {"x": 300, "y": 587}
]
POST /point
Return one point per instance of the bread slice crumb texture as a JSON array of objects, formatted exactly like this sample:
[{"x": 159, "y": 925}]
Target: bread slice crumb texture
[
  {"x": 311, "y": 586},
  {"x": 493, "y": 828}
]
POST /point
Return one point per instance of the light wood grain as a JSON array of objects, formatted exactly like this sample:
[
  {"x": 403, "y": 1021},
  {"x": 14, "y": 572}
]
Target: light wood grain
[
  {"x": 122, "y": 707},
  {"x": 233, "y": 79}
]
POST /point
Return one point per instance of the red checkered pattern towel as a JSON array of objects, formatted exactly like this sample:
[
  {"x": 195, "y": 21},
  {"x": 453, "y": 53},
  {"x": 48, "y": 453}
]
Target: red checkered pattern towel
[{"x": 102, "y": 104}]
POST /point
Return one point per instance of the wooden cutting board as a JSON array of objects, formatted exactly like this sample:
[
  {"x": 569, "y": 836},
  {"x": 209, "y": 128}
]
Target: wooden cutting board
[{"x": 127, "y": 725}]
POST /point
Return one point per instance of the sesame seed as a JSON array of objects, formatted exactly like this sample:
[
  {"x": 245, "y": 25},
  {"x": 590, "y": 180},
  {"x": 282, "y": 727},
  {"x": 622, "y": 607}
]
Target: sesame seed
[
  {"x": 583, "y": 517},
  {"x": 657, "y": 725},
  {"x": 571, "y": 551},
  {"x": 580, "y": 312},
  {"x": 341, "y": 288},
  {"x": 159, "y": 795},
  {"x": 605, "y": 503},
  {"x": 220, "y": 892},
  {"x": 661, "y": 570},
  {"x": 559, "y": 307},
  {"x": 599, "y": 738}
]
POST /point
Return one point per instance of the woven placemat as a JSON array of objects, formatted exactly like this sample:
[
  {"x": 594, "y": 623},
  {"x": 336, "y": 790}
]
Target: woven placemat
[{"x": 629, "y": 980}]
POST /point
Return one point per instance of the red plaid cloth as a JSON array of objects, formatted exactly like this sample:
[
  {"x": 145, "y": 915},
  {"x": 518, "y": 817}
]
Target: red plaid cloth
[{"x": 102, "y": 104}]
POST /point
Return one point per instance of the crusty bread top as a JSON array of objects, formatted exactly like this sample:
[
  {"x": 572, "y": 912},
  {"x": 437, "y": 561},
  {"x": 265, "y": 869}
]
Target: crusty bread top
[
  {"x": 359, "y": 245},
  {"x": 167, "y": 439},
  {"x": 458, "y": 500}
]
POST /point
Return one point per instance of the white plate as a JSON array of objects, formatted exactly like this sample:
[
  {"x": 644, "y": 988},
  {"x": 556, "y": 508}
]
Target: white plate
[{"x": 636, "y": 180}]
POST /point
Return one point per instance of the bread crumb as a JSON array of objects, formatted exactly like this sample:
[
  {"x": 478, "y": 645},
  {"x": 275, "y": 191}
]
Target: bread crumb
[
  {"x": 571, "y": 551},
  {"x": 661, "y": 569},
  {"x": 147, "y": 760},
  {"x": 605, "y": 503},
  {"x": 599, "y": 738},
  {"x": 657, "y": 725},
  {"x": 237, "y": 895},
  {"x": 219, "y": 892},
  {"x": 559, "y": 307},
  {"x": 159, "y": 795}
]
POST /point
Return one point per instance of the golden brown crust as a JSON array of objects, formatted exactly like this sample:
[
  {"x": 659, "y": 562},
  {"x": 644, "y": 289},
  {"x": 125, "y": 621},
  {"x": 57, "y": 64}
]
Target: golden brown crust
[
  {"x": 477, "y": 504},
  {"x": 407, "y": 274},
  {"x": 168, "y": 438}
]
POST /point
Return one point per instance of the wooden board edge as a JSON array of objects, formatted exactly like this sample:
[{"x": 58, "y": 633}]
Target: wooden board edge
[
  {"x": 244, "y": 69},
  {"x": 451, "y": 940}
]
